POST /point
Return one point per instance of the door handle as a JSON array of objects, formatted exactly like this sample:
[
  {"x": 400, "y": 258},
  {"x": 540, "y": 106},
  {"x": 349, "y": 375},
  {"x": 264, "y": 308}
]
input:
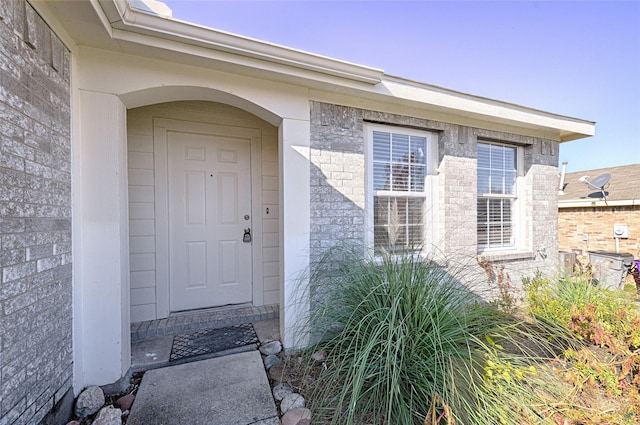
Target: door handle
[{"x": 247, "y": 235}]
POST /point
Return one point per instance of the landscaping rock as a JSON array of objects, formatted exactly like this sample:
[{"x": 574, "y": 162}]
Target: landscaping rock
[
  {"x": 125, "y": 402},
  {"x": 73, "y": 423},
  {"x": 89, "y": 401},
  {"x": 291, "y": 401},
  {"x": 271, "y": 360},
  {"x": 277, "y": 373},
  {"x": 280, "y": 391},
  {"x": 297, "y": 416},
  {"x": 109, "y": 416},
  {"x": 319, "y": 356},
  {"x": 272, "y": 347}
]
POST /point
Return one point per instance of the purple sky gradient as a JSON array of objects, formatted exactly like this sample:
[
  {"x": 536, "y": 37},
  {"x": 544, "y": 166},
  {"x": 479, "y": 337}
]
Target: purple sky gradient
[{"x": 580, "y": 59}]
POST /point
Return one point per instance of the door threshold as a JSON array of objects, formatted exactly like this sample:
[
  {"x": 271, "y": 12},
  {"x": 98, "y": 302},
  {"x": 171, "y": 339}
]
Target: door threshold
[
  {"x": 210, "y": 309},
  {"x": 209, "y": 318}
]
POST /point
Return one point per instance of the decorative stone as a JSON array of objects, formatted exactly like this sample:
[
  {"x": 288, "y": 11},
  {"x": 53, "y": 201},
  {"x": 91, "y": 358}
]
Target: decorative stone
[
  {"x": 73, "y": 423},
  {"x": 291, "y": 401},
  {"x": 109, "y": 416},
  {"x": 280, "y": 391},
  {"x": 319, "y": 356},
  {"x": 271, "y": 360},
  {"x": 89, "y": 401},
  {"x": 276, "y": 373},
  {"x": 297, "y": 416},
  {"x": 272, "y": 347},
  {"x": 125, "y": 402}
]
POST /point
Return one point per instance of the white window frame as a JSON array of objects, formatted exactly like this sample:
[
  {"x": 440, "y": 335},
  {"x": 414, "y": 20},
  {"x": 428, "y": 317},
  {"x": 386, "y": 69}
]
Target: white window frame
[
  {"x": 430, "y": 167},
  {"x": 517, "y": 219}
]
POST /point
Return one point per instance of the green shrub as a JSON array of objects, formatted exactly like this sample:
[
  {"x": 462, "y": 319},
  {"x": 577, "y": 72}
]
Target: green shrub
[
  {"x": 605, "y": 369},
  {"x": 594, "y": 314},
  {"x": 409, "y": 344}
]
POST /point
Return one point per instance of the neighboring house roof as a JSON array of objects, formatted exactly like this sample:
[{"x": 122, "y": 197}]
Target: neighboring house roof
[
  {"x": 623, "y": 188},
  {"x": 145, "y": 28}
]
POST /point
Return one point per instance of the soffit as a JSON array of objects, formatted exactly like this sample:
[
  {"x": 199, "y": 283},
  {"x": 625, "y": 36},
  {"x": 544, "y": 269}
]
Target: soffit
[{"x": 113, "y": 25}]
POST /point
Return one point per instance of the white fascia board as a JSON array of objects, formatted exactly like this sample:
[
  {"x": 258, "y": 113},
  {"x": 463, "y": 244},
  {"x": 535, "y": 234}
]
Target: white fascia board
[
  {"x": 582, "y": 203},
  {"x": 138, "y": 22},
  {"x": 570, "y": 128},
  {"x": 135, "y": 26}
]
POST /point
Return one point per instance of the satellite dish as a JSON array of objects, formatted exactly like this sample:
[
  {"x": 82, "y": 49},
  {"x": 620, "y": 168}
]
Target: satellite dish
[{"x": 600, "y": 181}]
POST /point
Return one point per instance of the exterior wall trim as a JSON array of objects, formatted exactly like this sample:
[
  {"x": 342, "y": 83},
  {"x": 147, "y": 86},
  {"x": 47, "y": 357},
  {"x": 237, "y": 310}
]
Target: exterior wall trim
[
  {"x": 603, "y": 204},
  {"x": 135, "y": 25}
]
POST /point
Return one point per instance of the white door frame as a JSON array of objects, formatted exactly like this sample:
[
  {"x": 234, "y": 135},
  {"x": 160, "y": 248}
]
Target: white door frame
[{"x": 160, "y": 128}]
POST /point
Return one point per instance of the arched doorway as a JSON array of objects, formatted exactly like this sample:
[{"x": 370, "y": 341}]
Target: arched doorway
[{"x": 204, "y": 208}]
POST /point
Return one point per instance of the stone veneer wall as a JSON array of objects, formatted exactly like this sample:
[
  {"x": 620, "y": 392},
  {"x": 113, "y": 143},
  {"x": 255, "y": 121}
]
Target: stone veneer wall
[
  {"x": 338, "y": 195},
  {"x": 35, "y": 217}
]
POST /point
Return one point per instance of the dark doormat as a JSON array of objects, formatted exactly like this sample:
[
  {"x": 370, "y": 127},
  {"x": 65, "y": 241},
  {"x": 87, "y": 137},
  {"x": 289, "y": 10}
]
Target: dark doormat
[{"x": 209, "y": 342}]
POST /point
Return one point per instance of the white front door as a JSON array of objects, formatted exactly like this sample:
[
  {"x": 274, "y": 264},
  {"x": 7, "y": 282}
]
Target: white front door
[{"x": 209, "y": 178}]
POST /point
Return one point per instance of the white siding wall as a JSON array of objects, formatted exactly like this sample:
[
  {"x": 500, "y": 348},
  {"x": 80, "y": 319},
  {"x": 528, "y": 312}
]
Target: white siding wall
[{"x": 141, "y": 196}]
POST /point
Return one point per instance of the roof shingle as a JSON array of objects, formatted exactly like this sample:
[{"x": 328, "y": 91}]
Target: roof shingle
[{"x": 624, "y": 184}]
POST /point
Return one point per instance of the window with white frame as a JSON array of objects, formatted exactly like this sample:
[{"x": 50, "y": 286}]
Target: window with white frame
[
  {"x": 399, "y": 165},
  {"x": 497, "y": 195}
]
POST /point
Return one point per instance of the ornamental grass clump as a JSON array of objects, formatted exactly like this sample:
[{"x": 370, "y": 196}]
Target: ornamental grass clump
[{"x": 407, "y": 343}]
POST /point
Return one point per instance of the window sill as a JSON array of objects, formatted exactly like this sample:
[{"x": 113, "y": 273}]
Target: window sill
[{"x": 506, "y": 255}]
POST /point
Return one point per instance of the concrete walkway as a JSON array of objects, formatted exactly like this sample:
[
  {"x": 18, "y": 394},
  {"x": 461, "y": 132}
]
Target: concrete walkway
[{"x": 229, "y": 390}]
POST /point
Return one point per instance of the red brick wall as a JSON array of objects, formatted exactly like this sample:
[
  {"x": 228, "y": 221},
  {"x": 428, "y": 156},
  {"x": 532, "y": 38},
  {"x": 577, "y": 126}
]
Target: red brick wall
[{"x": 598, "y": 223}]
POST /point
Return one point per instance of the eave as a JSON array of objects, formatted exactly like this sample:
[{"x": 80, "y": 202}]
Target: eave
[
  {"x": 588, "y": 203},
  {"x": 136, "y": 32}
]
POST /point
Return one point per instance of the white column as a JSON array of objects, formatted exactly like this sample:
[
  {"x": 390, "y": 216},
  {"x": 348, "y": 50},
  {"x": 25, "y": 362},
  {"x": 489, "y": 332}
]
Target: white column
[
  {"x": 100, "y": 244},
  {"x": 295, "y": 229}
]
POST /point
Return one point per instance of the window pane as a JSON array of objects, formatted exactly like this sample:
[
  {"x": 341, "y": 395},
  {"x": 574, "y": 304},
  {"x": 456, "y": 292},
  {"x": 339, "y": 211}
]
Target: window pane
[
  {"x": 483, "y": 156},
  {"x": 483, "y": 182},
  {"x": 416, "y": 210},
  {"x": 496, "y": 157},
  {"x": 398, "y": 223},
  {"x": 495, "y": 222},
  {"x": 506, "y": 210},
  {"x": 507, "y": 234},
  {"x": 381, "y": 176},
  {"x": 496, "y": 169},
  {"x": 380, "y": 211},
  {"x": 482, "y": 227},
  {"x": 509, "y": 158},
  {"x": 417, "y": 178},
  {"x": 400, "y": 148},
  {"x": 381, "y": 146},
  {"x": 380, "y": 238},
  {"x": 509, "y": 182},
  {"x": 495, "y": 235},
  {"x": 495, "y": 210},
  {"x": 400, "y": 177},
  {"x": 483, "y": 216}
]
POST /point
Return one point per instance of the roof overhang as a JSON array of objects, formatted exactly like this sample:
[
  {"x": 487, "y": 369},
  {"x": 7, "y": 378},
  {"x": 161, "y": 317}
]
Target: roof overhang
[
  {"x": 127, "y": 23},
  {"x": 141, "y": 32}
]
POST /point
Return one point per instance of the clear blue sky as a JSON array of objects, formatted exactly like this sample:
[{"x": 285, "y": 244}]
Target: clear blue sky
[{"x": 580, "y": 59}]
